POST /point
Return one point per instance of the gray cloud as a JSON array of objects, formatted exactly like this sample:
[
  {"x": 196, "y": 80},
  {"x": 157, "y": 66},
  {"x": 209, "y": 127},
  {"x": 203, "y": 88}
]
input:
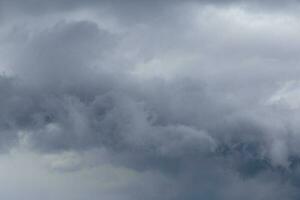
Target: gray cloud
[{"x": 198, "y": 99}]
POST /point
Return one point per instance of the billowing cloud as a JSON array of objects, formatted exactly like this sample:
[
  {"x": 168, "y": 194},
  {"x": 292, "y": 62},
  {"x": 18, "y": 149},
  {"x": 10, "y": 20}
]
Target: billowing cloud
[{"x": 149, "y": 100}]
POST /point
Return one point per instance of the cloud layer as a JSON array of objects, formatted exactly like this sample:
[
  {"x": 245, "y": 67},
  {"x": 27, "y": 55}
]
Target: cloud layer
[{"x": 150, "y": 100}]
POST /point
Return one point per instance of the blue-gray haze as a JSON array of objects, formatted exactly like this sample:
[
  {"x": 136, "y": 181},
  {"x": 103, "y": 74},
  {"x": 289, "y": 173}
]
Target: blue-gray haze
[{"x": 149, "y": 100}]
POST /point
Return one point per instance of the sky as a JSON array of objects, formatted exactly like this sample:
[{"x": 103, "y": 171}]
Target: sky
[{"x": 151, "y": 100}]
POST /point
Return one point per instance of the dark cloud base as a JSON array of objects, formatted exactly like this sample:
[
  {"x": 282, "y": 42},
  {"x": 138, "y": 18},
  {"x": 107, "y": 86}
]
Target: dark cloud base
[{"x": 72, "y": 90}]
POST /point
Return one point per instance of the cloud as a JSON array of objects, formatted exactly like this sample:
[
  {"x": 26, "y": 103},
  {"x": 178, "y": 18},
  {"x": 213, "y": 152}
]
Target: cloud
[{"x": 185, "y": 100}]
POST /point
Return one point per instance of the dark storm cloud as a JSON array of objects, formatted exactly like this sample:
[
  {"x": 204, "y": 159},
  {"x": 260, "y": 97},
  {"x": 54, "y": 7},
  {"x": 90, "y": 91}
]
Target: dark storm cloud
[
  {"x": 62, "y": 102},
  {"x": 208, "y": 131}
]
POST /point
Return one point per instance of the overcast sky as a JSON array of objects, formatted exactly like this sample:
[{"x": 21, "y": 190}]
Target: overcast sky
[{"x": 149, "y": 100}]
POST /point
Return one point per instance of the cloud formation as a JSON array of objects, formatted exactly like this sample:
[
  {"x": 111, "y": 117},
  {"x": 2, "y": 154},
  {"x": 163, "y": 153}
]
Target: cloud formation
[{"x": 183, "y": 100}]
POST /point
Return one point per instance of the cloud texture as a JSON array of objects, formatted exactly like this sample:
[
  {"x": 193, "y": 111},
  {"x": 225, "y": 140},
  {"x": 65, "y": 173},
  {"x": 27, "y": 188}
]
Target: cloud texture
[{"x": 148, "y": 100}]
